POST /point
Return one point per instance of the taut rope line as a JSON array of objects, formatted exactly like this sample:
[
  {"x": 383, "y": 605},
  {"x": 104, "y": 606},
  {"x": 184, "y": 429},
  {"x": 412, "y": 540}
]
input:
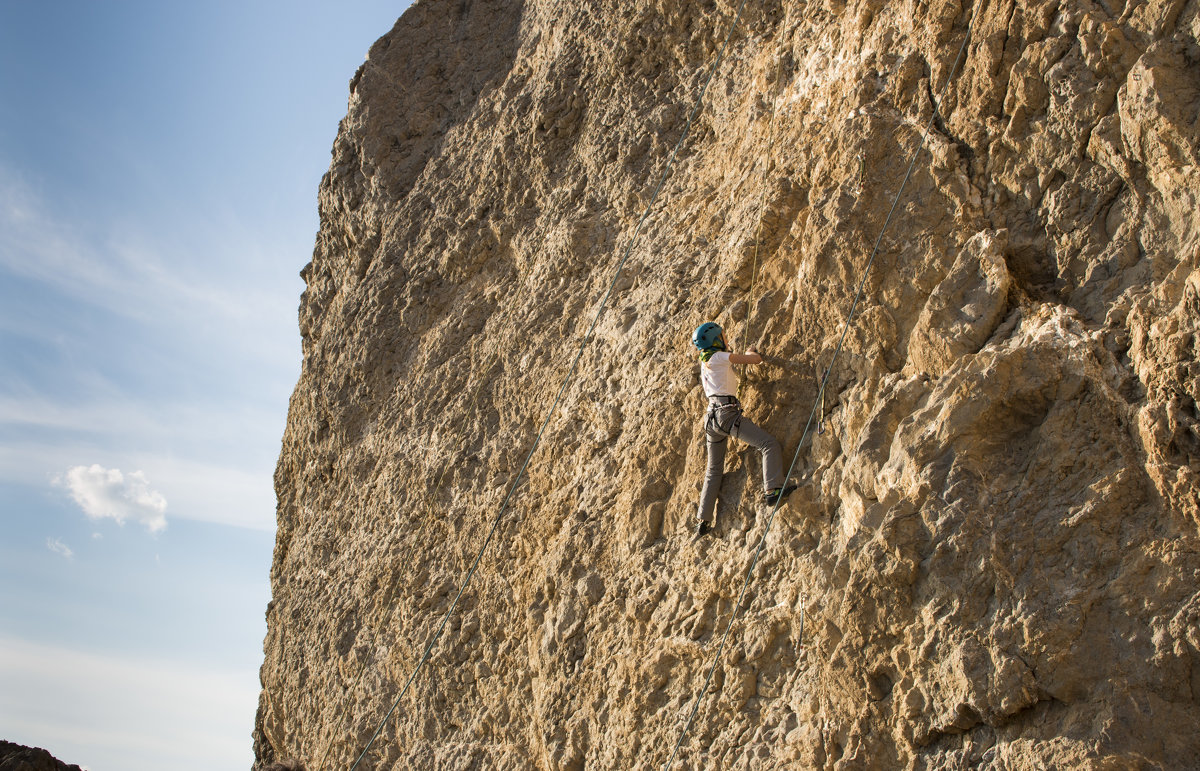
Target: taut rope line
[
  {"x": 762, "y": 204},
  {"x": 812, "y": 413},
  {"x": 562, "y": 389},
  {"x": 387, "y": 603}
]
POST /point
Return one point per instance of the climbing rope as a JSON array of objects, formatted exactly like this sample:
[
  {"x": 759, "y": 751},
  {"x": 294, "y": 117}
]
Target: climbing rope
[
  {"x": 762, "y": 200},
  {"x": 562, "y": 388},
  {"x": 768, "y": 167},
  {"x": 812, "y": 413},
  {"x": 387, "y": 603},
  {"x": 821, "y": 420}
]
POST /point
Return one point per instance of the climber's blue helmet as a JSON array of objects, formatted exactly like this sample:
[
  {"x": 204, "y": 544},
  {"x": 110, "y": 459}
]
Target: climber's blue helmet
[{"x": 707, "y": 335}]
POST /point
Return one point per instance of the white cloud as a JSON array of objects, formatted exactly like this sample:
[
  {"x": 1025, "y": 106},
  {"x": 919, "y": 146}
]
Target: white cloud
[
  {"x": 102, "y": 492},
  {"x": 218, "y": 493},
  {"x": 58, "y": 547},
  {"x": 218, "y": 311}
]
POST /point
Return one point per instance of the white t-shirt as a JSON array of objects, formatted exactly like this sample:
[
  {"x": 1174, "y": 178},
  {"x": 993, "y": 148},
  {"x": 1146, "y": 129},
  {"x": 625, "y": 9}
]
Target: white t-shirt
[{"x": 717, "y": 375}]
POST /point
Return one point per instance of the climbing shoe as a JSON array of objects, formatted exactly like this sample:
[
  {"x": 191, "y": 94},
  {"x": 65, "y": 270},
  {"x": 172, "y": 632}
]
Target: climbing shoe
[
  {"x": 702, "y": 528},
  {"x": 772, "y": 496}
]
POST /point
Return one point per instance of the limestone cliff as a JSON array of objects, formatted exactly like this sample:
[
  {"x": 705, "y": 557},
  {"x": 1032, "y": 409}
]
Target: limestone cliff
[
  {"x": 995, "y": 557},
  {"x": 17, "y": 757}
]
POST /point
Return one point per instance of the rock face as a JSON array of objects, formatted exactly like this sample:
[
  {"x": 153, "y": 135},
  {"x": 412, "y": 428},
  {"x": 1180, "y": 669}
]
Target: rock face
[
  {"x": 995, "y": 557},
  {"x": 17, "y": 757}
]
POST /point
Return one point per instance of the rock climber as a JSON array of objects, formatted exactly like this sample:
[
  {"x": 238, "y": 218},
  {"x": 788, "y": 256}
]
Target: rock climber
[{"x": 724, "y": 419}]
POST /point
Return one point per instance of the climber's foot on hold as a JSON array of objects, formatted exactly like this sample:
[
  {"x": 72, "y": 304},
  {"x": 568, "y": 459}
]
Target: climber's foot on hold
[
  {"x": 702, "y": 528},
  {"x": 772, "y": 496}
]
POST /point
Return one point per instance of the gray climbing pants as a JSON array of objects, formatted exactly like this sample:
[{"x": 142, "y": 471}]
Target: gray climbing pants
[{"x": 720, "y": 423}]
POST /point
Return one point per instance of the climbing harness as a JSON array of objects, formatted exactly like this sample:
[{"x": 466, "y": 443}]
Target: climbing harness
[
  {"x": 725, "y": 416},
  {"x": 768, "y": 167},
  {"x": 824, "y": 381},
  {"x": 562, "y": 388}
]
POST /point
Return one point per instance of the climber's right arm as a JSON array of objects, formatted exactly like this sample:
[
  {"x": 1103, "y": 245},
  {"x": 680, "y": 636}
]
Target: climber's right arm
[{"x": 751, "y": 356}]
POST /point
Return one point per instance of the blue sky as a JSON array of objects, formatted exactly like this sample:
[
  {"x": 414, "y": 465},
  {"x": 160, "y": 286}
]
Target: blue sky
[{"x": 159, "y": 165}]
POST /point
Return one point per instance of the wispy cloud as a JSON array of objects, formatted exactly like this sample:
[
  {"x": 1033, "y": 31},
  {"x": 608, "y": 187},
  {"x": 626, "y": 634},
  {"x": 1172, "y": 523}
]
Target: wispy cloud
[
  {"x": 58, "y": 547},
  {"x": 35, "y": 245},
  {"x": 112, "y": 416},
  {"x": 148, "y": 347},
  {"x": 215, "y": 493},
  {"x": 118, "y": 416},
  {"x": 135, "y": 273},
  {"x": 113, "y": 711},
  {"x": 102, "y": 493}
]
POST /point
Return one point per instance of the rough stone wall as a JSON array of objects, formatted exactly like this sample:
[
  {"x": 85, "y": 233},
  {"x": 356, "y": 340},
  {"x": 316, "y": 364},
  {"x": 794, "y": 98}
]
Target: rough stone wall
[
  {"x": 994, "y": 559},
  {"x": 17, "y": 757}
]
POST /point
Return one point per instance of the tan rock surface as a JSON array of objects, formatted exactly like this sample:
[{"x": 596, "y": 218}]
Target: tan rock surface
[{"x": 995, "y": 559}]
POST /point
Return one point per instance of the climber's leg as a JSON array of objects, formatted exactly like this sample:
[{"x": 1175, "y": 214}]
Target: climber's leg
[
  {"x": 768, "y": 446},
  {"x": 717, "y": 442}
]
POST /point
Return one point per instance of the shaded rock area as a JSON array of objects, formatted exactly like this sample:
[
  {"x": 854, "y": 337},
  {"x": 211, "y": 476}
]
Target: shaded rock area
[
  {"x": 17, "y": 757},
  {"x": 994, "y": 560}
]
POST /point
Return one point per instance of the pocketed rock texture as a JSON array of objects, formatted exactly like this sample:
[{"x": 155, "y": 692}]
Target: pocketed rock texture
[
  {"x": 17, "y": 757},
  {"x": 994, "y": 559}
]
